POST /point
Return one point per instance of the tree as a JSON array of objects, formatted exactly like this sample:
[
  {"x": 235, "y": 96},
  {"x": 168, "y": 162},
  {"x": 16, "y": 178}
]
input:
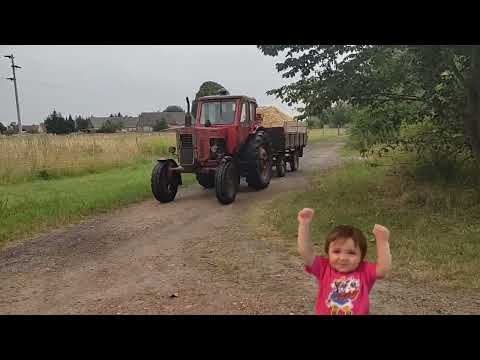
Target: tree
[
  {"x": 56, "y": 124},
  {"x": 110, "y": 127},
  {"x": 70, "y": 124},
  {"x": 338, "y": 115},
  {"x": 82, "y": 124},
  {"x": 206, "y": 89},
  {"x": 173, "y": 108},
  {"x": 2, "y": 128},
  {"x": 160, "y": 125},
  {"x": 439, "y": 83}
]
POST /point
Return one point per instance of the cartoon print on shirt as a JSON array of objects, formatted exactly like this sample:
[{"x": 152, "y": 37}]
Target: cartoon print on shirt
[{"x": 344, "y": 292}]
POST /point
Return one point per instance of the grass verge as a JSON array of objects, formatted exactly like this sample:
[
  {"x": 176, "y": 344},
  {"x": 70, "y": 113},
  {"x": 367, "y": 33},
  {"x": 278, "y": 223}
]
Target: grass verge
[
  {"x": 28, "y": 208},
  {"x": 435, "y": 227}
]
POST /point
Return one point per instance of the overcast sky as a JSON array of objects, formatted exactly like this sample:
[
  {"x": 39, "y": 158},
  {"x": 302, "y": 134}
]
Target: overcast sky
[{"x": 99, "y": 80}]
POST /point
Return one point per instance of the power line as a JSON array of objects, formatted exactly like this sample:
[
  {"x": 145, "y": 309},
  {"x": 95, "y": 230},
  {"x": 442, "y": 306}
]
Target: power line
[{"x": 14, "y": 79}]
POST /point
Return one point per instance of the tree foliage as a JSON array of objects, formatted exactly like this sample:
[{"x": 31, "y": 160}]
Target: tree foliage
[
  {"x": 208, "y": 88},
  {"x": 160, "y": 125},
  {"x": 2, "y": 128},
  {"x": 173, "y": 108},
  {"x": 82, "y": 124},
  {"x": 56, "y": 124},
  {"x": 438, "y": 84}
]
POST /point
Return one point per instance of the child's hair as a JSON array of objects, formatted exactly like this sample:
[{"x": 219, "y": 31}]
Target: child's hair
[{"x": 347, "y": 232}]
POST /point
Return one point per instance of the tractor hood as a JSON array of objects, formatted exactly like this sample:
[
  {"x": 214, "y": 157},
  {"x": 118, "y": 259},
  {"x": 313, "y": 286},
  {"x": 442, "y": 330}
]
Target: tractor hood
[
  {"x": 210, "y": 132},
  {"x": 206, "y": 137}
]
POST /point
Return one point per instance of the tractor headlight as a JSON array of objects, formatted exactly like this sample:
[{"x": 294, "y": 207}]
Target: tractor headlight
[
  {"x": 217, "y": 148},
  {"x": 172, "y": 150}
]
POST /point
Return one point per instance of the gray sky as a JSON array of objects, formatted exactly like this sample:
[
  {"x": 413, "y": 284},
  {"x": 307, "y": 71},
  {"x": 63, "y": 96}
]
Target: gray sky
[{"x": 99, "y": 80}]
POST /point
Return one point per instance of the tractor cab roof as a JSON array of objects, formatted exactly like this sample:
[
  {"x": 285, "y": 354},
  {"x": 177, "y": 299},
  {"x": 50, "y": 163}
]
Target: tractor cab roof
[{"x": 226, "y": 97}]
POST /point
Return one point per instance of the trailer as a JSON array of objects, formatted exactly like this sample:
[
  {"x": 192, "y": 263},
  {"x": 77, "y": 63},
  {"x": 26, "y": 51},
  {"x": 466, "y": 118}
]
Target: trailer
[{"x": 288, "y": 142}]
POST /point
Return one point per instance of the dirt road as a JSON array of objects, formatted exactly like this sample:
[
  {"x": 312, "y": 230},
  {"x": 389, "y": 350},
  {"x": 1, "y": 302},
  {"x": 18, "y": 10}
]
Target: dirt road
[{"x": 191, "y": 256}]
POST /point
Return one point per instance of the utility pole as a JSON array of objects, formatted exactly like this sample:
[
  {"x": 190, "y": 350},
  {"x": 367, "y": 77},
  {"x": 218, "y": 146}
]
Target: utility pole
[{"x": 14, "y": 79}]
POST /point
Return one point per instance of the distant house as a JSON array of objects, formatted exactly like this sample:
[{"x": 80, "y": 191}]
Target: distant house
[
  {"x": 32, "y": 129},
  {"x": 129, "y": 123},
  {"x": 147, "y": 120}
]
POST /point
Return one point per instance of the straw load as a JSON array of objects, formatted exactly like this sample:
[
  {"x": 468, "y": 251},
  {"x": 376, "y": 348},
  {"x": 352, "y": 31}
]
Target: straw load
[{"x": 273, "y": 117}]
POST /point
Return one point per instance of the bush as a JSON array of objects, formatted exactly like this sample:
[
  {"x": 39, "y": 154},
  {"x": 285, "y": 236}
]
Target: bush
[{"x": 160, "y": 125}]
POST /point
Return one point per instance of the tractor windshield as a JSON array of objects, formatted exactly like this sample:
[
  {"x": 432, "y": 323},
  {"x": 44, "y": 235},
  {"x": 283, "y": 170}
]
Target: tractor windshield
[{"x": 218, "y": 112}]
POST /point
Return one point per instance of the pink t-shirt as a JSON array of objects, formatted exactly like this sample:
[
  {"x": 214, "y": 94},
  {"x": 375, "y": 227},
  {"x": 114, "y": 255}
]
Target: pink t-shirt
[{"x": 342, "y": 293}]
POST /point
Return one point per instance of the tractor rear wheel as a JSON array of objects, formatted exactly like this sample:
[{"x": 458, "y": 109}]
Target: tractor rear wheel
[
  {"x": 259, "y": 158},
  {"x": 206, "y": 180},
  {"x": 294, "y": 162},
  {"x": 163, "y": 182},
  {"x": 226, "y": 182},
  {"x": 281, "y": 167}
]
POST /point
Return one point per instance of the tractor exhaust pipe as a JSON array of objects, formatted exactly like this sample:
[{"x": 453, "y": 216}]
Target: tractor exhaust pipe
[{"x": 188, "y": 116}]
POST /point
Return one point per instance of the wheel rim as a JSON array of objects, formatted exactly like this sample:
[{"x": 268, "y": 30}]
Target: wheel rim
[
  {"x": 171, "y": 185},
  {"x": 264, "y": 163}
]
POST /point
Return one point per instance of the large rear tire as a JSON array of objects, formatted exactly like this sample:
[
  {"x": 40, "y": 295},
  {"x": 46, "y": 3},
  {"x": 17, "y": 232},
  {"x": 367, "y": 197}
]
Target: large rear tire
[
  {"x": 164, "y": 184},
  {"x": 226, "y": 182},
  {"x": 206, "y": 180},
  {"x": 258, "y": 154}
]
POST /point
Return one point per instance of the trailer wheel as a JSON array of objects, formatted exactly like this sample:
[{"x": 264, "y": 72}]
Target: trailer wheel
[
  {"x": 206, "y": 180},
  {"x": 164, "y": 184},
  {"x": 226, "y": 182},
  {"x": 259, "y": 157},
  {"x": 281, "y": 166},
  {"x": 294, "y": 162}
]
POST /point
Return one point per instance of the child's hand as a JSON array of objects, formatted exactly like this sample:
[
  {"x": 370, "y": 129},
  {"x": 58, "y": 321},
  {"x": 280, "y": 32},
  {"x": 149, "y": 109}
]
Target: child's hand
[
  {"x": 305, "y": 216},
  {"x": 381, "y": 233}
]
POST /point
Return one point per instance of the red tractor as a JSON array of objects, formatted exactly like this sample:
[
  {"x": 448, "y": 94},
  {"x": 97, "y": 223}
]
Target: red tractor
[{"x": 227, "y": 142}]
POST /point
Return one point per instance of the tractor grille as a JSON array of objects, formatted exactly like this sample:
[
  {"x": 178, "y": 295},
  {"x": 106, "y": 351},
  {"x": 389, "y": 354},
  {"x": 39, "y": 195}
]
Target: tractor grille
[
  {"x": 187, "y": 140},
  {"x": 186, "y": 152}
]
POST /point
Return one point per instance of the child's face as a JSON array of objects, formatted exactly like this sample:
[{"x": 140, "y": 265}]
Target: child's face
[{"x": 343, "y": 255}]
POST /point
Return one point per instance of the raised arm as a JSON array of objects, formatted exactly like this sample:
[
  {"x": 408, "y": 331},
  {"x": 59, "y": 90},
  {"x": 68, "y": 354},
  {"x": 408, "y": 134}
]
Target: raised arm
[
  {"x": 305, "y": 246},
  {"x": 384, "y": 258}
]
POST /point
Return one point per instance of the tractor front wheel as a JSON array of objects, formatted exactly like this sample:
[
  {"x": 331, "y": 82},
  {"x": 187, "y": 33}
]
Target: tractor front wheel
[
  {"x": 164, "y": 183},
  {"x": 226, "y": 182}
]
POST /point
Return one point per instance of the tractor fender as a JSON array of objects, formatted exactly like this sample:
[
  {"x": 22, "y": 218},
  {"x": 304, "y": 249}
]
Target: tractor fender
[{"x": 162, "y": 161}]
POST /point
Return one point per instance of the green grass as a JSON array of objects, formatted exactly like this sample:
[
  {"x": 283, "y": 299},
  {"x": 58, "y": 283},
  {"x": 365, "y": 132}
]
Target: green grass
[
  {"x": 435, "y": 227},
  {"x": 45, "y": 156},
  {"x": 348, "y": 151},
  {"x": 28, "y": 208}
]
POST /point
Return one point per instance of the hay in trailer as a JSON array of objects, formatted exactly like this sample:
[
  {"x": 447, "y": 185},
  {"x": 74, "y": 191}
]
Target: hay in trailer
[{"x": 273, "y": 117}]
